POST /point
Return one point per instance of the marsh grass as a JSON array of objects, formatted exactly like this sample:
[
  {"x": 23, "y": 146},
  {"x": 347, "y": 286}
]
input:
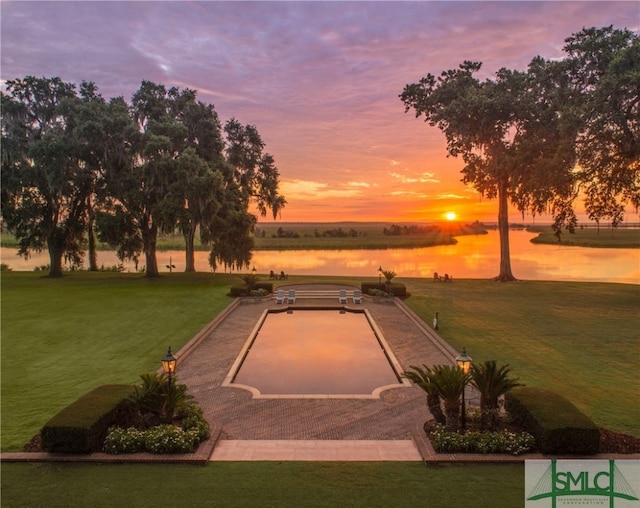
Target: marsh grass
[
  {"x": 605, "y": 237},
  {"x": 370, "y": 236}
]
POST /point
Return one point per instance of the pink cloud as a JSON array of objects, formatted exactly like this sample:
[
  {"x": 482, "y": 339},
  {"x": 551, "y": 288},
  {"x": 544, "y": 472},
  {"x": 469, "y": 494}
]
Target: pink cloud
[{"x": 320, "y": 80}]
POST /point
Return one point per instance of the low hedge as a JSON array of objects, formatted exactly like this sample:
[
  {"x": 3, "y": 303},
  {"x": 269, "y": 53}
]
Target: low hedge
[
  {"x": 395, "y": 288},
  {"x": 82, "y": 426},
  {"x": 557, "y": 425},
  {"x": 241, "y": 290}
]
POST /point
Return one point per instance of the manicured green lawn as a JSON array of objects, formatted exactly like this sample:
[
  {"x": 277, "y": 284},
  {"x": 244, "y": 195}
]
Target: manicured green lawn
[
  {"x": 263, "y": 484},
  {"x": 61, "y": 338},
  {"x": 581, "y": 340}
]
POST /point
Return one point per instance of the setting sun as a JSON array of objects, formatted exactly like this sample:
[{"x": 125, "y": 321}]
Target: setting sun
[{"x": 450, "y": 215}]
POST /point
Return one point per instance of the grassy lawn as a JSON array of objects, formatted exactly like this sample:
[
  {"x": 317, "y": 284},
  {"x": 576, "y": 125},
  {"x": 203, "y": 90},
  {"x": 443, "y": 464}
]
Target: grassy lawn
[
  {"x": 264, "y": 484},
  {"x": 61, "y": 338},
  {"x": 578, "y": 339}
]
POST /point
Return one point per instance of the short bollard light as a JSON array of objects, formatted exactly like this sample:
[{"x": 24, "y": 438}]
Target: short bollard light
[
  {"x": 169, "y": 363},
  {"x": 464, "y": 363}
]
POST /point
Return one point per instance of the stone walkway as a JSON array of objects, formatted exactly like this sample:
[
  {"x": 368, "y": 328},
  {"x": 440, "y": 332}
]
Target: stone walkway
[{"x": 343, "y": 450}]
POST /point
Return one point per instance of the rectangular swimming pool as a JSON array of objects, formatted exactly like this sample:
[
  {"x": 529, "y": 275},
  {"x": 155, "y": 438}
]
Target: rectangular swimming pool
[{"x": 316, "y": 353}]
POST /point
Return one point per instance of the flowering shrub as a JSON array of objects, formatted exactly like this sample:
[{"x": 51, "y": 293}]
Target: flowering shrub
[
  {"x": 161, "y": 438},
  {"x": 121, "y": 440},
  {"x": 170, "y": 439},
  {"x": 481, "y": 442}
]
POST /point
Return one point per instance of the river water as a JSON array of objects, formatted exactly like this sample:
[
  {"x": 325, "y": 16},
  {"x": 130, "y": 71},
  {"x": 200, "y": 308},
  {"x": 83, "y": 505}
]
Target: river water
[{"x": 475, "y": 257}]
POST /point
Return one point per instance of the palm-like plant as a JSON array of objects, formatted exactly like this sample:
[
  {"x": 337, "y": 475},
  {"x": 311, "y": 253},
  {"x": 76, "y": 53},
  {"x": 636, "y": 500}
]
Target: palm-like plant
[
  {"x": 157, "y": 395},
  {"x": 147, "y": 396},
  {"x": 422, "y": 376},
  {"x": 492, "y": 382},
  {"x": 450, "y": 381}
]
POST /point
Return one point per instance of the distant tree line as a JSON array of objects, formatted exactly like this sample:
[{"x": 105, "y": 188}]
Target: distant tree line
[
  {"x": 285, "y": 233},
  {"x": 541, "y": 137},
  {"x": 410, "y": 230},
  {"x": 337, "y": 233},
  {"x": 77, "y": 168}
]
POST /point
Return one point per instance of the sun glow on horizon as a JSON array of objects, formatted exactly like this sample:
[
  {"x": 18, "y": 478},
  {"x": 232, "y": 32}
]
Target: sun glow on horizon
[{"x": 450, "y": 216}]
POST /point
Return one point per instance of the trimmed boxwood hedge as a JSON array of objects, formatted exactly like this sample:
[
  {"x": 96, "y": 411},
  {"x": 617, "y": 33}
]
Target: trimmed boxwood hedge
[
  {"x": 558, "y": 426},
  {"x": 237, "y": 291},
  {"x": 82, "y": 426}
]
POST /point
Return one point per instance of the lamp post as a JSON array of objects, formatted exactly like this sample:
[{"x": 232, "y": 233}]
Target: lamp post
[
  {"x": 169, "y": 364},
  {"x": 380, "y": 277},
  {"x": 464, "y": 363}
]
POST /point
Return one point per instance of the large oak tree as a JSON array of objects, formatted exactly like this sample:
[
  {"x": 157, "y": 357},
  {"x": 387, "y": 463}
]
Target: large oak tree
[
  {"x": 516, "y": 141},
  {"x": 46, "y": 177},
  {"x": 604, "y": 69}
]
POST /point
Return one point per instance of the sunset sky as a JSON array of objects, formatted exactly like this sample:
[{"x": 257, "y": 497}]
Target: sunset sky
[{"x": 320, "y": 81}]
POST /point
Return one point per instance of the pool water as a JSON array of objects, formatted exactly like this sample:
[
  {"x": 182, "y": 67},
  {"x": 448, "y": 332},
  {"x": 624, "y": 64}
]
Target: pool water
[{"x": 316, "y": 352}]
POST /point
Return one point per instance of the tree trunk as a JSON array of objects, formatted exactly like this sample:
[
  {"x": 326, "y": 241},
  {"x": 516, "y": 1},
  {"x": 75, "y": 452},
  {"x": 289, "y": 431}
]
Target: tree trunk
[
  {"x": 487, "y": 420},
  {"x": 152, "y": 263},
  {"x": 55, "y": 259},
  {"x": 433, "y": 403},
  {"x": 452, "y": 415},
  {"x": 93, "y": 255},
  {"x": 150, "y": 236},
  {"x": 503, "y": 228},
  {"x": 190, "y": 260},
  {"x": 489, "y": 414}
]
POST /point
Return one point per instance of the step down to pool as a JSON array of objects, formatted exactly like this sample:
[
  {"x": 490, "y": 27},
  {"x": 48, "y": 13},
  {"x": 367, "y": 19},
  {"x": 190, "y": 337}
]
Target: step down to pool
[{"x": 313, "y": 450}]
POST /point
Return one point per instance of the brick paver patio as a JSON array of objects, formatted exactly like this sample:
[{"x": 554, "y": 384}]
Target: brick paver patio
[{"x": 241, "y": 417}]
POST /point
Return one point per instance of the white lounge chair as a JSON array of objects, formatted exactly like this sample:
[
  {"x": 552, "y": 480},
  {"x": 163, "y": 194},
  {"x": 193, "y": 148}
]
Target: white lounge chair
[
  {"x": 292, "y": 296},
  {"x": 280, "y": 296},
  {"x": 357, "y": 296},
  {"x": 343, "y": 296}
]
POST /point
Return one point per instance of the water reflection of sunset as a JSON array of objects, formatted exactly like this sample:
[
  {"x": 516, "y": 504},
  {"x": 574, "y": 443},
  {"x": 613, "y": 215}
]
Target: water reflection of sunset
[
  {"x": 472, "y": 257},
  {"x": 316, "y": 352}
]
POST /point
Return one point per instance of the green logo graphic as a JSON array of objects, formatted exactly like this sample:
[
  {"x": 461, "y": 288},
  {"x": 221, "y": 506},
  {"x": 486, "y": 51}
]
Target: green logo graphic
[{"x": 605, "y": 482}]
